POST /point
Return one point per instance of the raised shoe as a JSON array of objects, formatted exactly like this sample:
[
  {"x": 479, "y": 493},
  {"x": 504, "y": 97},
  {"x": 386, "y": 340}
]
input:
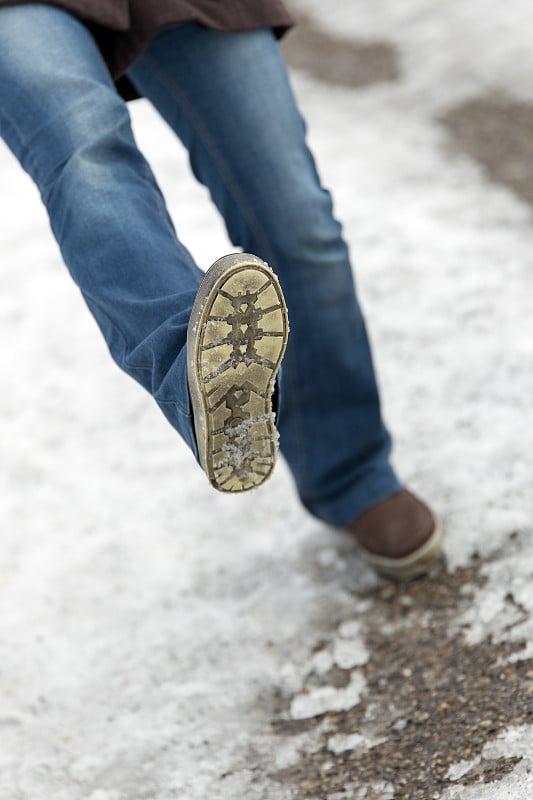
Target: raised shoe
[{"x": 235, "y": 343}]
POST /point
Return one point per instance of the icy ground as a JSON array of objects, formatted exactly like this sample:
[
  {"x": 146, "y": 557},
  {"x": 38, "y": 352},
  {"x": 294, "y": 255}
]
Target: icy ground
[{"x": 150, "y": 629}]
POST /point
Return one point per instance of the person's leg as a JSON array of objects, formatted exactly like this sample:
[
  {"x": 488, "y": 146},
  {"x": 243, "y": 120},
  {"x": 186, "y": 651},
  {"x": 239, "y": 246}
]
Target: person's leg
[
  {"x": 64, "y": 121},
  {"x": 228, "y": 99}
]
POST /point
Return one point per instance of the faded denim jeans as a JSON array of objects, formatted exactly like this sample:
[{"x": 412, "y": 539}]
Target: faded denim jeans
[{"x": 227, "y": 97}]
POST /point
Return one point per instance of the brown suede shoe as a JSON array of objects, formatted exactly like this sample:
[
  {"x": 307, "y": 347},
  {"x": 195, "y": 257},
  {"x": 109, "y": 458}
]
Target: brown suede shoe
[{"x": 400, "y": 536}]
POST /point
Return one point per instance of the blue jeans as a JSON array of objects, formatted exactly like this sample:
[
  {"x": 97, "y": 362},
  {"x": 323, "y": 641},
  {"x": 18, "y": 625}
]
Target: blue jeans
[{"x": 227, "y": 97}]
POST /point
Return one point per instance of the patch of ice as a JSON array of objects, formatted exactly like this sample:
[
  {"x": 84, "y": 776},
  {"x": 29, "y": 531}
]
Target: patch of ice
[
  {"x": 503, "y": 607},
  {"x": 462, "y": 768},
  {"x": 516, "y": 741},
  {"x": 341, "y": 743},
  {"x": 322, "y": 661},
  {"x": 400, "y": 725},
  {"x": 292, "y": 747},
  {"x": 327, "y": 698},
  {"x": 376, "y": 791},
  {"x": 349, "y": 653},
  {"x": 243, "y": 427},
  {"x": 518, "y": 785},
  {"x": 350, "y": 629}
]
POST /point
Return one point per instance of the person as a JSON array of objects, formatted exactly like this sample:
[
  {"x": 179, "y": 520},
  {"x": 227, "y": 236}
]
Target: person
[{"x": 215, "y": 74}]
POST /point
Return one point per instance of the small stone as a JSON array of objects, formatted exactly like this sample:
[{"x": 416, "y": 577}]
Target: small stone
[{"x": 400, "y": 725}]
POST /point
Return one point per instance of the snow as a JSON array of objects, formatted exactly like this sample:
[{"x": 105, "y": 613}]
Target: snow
[
  {"x": 340, "y": 743},
  {"x": 516, "y": 786},
  {"x": 149, "y": 625},
  {"x": 462, "y": 768},
  {"x": 328, "y": 698}
]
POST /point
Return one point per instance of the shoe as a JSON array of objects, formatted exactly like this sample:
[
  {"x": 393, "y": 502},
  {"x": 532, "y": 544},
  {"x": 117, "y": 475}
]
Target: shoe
[
  {"x": 235, "y": 343},
  {"x": 400, "y": 536}
]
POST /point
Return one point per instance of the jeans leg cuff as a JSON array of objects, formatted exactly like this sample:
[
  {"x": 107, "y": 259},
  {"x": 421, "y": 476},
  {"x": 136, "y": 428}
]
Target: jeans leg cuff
[{"x": 341, "y": 511}]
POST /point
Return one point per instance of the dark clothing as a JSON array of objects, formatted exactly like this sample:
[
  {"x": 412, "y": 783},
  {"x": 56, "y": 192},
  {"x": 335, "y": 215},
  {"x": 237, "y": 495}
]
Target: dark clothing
[{"x": 123, "y": 28}]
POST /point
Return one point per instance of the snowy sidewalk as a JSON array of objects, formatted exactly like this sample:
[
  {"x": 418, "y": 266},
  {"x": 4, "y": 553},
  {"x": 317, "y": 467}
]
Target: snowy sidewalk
[{"x": 160, "y": 641}]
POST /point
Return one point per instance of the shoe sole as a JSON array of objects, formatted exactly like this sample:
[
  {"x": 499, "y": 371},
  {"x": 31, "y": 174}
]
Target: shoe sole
[
  {"x": 236, "y": 339},
  {"x": 414, "y": 565}
]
